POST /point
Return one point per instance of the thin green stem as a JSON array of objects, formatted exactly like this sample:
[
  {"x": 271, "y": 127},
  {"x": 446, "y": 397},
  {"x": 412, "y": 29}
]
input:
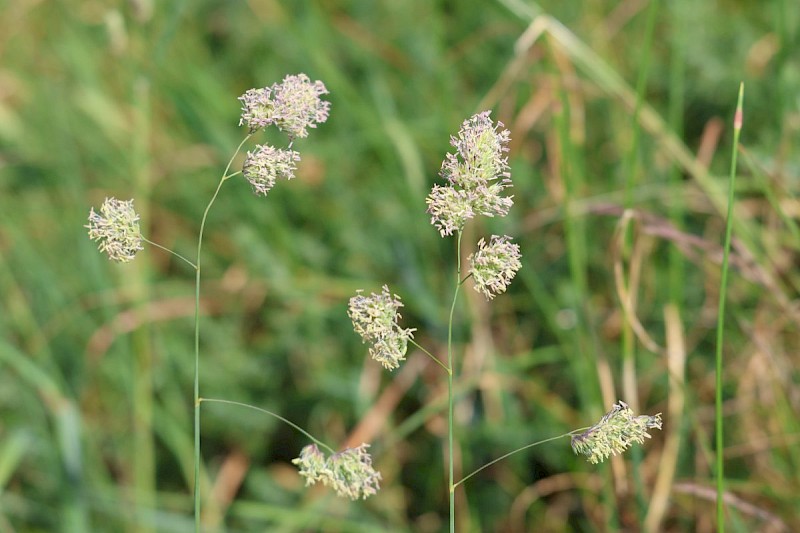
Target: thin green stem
[
  {"x": 197, "y": 340},
  {"x": 720, "y": 463},
  {"x": 429, "y": 354},
  {"x": 176, "y": 254},
  {"x": 509, "y": 454},
  {"x": 450, "y": 372},
  {"x": 270, "y": 413}
]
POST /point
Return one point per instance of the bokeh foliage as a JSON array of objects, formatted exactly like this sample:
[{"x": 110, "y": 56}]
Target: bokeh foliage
[{"x": 138, "y": 100}]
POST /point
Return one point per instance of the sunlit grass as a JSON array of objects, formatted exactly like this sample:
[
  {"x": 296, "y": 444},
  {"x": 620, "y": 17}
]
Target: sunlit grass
[{"x": 97, "y": 361}]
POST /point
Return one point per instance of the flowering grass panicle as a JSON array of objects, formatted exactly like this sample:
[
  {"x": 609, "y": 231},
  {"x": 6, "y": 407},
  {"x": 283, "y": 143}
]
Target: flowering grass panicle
[
  {"x": 479, "y": 160},
  {"x": 116, "y": 228},
  {"x": 494, "y": 265},
  {"x": 616, "y": 432},
  {"x": 311, "y": 464},
  {"x": 476, "y": 174},
  {"x": 257, "y": 109},
  {"x": 298, "y": 105},
  {"x": 294, "y": 105},
  {"x": 349, "y": 472},
  {"x": 375, "y": 319},
  {"x": 264, "y": 165},
  {"x": 352, "y": 474},
  {"x": 450, "y": 208}
]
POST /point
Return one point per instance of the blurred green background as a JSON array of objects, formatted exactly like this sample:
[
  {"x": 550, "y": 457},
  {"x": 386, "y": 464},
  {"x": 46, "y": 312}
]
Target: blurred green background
[{"x": 139, "y": 100}]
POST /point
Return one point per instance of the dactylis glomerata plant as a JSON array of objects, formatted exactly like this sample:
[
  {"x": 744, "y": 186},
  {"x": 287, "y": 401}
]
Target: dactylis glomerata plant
[
  {"x": 476, "y": 178},
  {"x": 293, "y": 106}
]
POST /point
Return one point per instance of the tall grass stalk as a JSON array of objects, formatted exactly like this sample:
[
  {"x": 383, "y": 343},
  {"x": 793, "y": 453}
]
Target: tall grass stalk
[
  {"x": 197, "y": 488},
  {"x": 450, "y": 372},
  {"x": 293, "y": 106},
  {"x": 720, "y": 460},
  {"x": 476, "y": 175}
]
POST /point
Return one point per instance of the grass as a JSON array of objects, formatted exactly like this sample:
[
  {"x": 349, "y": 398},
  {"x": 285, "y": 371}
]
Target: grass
[{"x": 97, "y": 359}]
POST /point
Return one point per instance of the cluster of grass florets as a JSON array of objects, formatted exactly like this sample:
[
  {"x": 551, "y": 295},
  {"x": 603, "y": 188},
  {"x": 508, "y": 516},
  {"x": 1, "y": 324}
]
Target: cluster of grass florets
[
  {"x": 617, "y": 431},
  {"x": 375, "y": 320},
  {"x": 349, "y": 472},
  {"x": 476, "y": 174},
  {"x": 293, "y": 106},
  {"x": 116, "y": 228}
]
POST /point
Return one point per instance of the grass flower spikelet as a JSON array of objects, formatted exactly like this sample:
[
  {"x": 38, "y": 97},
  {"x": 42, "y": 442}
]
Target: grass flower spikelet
[
  {"x": 349, "y": 472},
  {"x": 257, "y": 109},
  {"x": 264, "y": 165},
  {"x": 375, "y": 319},
  {"x": 311, "y": 464},
  {"x": 618, "y": 430},
  {"x": 298, "y": 105},
  {"x": 494, "y": 265},
  {"x": 116, "y": 228},
  {"x": 479, "y": 159},
  {"x": 294, "y": 105},
  {"x": 476, "y": 174},
  {"x": 450, "y": 208}
]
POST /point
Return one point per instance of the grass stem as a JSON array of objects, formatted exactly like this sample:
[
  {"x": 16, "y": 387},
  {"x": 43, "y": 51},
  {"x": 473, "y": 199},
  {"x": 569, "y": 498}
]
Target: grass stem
[
  {"x": 270, "y": 413},
  {"x": 176, "y": 254},
  {"x": 720, "y": 462},
  {"x": 429, "y": 354},
  {"x": 450, "y": 372},
  {"x": 509, "y": 454},
  {"x": 197, "y": 498}
]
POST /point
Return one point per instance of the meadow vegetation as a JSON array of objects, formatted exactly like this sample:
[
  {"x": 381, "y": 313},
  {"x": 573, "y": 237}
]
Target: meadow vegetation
[{"x": 621, "y": 141}]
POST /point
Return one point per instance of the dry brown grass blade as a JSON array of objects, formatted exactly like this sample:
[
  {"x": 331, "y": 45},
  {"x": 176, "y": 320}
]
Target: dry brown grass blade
[
  {"x": 130, "y": 320},
  {"x": 693, "y": 247},
  {"x": 676, "y": 368},
  {"x": 228, "y": 482},
  {"x": 773, "y": 522},
  {"x": 607, "y": 79},
  {"x": 626, "y": 298}
]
